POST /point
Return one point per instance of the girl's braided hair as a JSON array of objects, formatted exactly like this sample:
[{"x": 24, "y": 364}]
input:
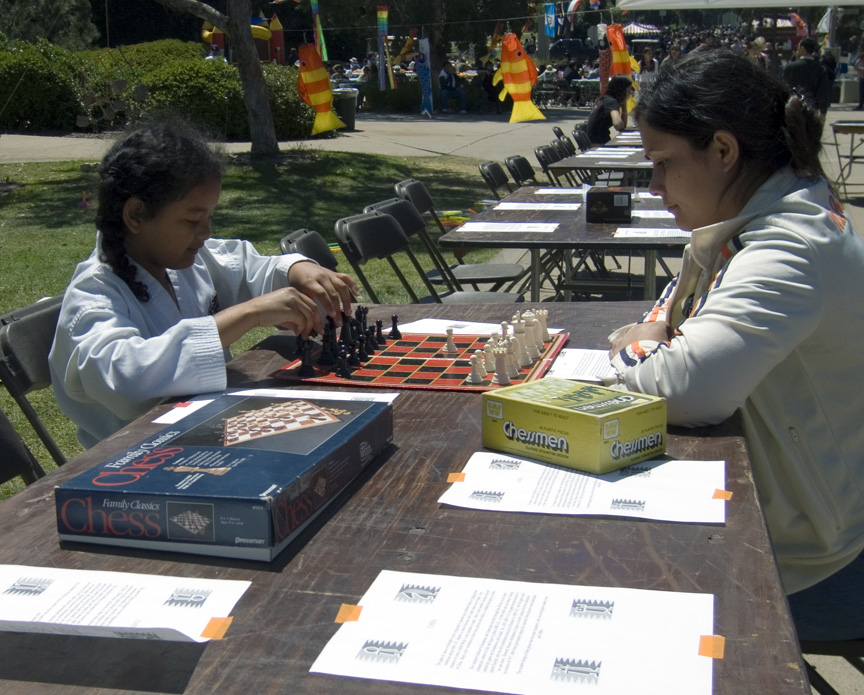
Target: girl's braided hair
[{"x": 158, "y": 162}]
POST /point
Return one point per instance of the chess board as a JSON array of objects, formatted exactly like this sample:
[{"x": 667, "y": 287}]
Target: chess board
[
  {"x": 275, "y": 419},
  {"x": 418, "y": 361}
]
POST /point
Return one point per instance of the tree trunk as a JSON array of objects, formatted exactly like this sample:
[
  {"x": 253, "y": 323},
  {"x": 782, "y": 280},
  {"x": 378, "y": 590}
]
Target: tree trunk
[
  {"x": 264, "y": 142},
  {"x": 236, "y": 27}
]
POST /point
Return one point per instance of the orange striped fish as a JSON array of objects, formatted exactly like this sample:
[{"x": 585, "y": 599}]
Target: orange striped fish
[
  {"x": 313, "y": 85},
  {"x": 519, "y": 74}
]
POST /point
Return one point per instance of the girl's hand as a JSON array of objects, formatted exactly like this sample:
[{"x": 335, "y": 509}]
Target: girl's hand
[
  {"x": 333, "y": 291},
  {"x": 285, "y": 308},
  {"x": 659, "y": 331}
]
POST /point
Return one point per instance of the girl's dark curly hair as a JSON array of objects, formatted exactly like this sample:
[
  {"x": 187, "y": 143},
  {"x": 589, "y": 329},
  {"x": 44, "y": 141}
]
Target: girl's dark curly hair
[
  {"x": 158, "y": 162},
  {"x": 711, "y": 90}
]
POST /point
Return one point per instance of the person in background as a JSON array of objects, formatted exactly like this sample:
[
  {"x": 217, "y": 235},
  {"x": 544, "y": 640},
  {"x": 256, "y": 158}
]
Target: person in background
[
  {"x": 673, "y": 57},
  {"x": 764, "y": 322},
  {"x": 807, "y": 75},
  {"x": 648, "y": 67},
  {"x": 610, "y": 110},
  {"x": 756, "y": 52},
  {"x": 151, "y": 314},
  {"x": 448, "y": 80}
]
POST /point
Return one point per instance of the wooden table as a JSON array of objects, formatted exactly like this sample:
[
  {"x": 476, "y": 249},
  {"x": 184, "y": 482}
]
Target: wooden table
[
  {"x": 391, "y": 520},
  {"x": 594, "y": 162},
  {"x": 572, "y": 234}
]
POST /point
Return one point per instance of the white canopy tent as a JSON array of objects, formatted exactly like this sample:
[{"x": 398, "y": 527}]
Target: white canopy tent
[{"x": 726, "y": 4}]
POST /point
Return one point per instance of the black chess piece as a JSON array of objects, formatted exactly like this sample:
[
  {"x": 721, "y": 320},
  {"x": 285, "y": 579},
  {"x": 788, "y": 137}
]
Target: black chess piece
[
  {"x": 362, "y": 355},
  {"x": 345, "y": 336},
  {"x": 306, "y": 367},
  {"x": 343, "y": 369},
  {"x": 394, "y": 331},
  {"x": 379, "y": 333},
  {"x": 353, "y": 360},
  {"x": 371, "y": 343}
]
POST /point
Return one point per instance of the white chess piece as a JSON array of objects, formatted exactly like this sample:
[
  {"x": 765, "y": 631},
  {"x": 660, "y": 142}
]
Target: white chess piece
[
  {"x": 512, "y": 358},
  {"x": 523, "y": 358},
  {"x": 531, "y": 345},
  {"x": 501, "y": 377},
  {"x": 450, "y": 346},
  {"x": 504, "y": 330},
  {"x": 488, "y": 351},
  {"x": 481, "y": 356},
  {"x": 542, "y": 315},
  {"x": 477, "y": 371}
]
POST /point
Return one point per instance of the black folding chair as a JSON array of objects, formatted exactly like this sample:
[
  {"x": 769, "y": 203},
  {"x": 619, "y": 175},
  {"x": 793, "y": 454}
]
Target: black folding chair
[
  {"x": 16, "y": 459},
  {"x": 377, "y": 235},
  {"x": 471, "y": 273},
  {"x": 495, "y": 177},
  {"x": 26, "y": 336},
  {"x": 312, "y": 245},
  {"x": 521, "y": 170},
  {"x": 412, "y": 222},
  {"x": 567, "y": 142}
]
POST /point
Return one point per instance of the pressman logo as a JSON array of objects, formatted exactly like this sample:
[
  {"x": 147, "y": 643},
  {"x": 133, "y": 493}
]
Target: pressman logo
[
  {"x": 547, "y": 441},
  {"x": 623, "y": 449}
]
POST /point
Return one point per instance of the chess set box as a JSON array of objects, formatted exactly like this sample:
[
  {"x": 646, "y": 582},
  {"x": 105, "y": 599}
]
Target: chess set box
[
  {"x": 240, "y": 477},
  {"x": 570, "y": 423}
]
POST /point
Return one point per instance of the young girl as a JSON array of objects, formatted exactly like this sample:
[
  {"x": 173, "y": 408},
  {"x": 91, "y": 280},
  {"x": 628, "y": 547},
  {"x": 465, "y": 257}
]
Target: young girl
[
  {"x": 152, "y": 312},
  {"x": 765, "y": 318}
]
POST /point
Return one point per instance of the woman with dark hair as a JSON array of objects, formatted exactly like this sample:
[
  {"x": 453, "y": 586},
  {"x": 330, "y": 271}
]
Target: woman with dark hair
[
  {"x": 610, "y": 111},
  {"x": 765, "y": 318},
  {"x": 152, "y": 312}
]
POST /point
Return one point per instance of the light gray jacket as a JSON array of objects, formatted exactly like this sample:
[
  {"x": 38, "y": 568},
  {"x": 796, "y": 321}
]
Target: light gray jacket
[{"x": 769, "y": 320}]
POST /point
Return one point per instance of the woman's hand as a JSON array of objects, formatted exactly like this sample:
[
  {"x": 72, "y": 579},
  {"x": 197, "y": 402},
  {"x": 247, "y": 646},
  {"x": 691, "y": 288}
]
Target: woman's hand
[
  {"x": 333, "y": 291},
  {"x": 659, "y": 331}
]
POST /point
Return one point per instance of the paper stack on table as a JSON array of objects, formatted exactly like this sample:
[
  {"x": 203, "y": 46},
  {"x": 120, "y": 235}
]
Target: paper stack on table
[
  {"x": 115, "y": 604},
  {"x": 522, "y": 637}
]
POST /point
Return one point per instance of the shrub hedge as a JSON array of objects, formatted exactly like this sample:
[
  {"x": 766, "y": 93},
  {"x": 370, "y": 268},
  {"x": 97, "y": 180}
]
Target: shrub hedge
[{"x": 54, "y": 87}]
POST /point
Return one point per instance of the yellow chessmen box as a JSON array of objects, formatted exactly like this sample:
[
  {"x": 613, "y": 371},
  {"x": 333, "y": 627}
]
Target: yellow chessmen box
[{"x": 574, "y": 424}]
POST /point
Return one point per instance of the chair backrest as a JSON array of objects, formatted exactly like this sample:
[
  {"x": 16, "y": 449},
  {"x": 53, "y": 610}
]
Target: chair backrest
[
  {"x": 408, "y": 217},
  {"x": 495, "y": 177},
  {"x": 312, "y": 245},
  {"x": 582, "y": 139},
  {"x": 560, "y": 149},
  {"x": 520, "y": 169},
  {"x": 26, "y": 336},
  {"x": 558, "y": 132},
  {"x": 417, "y": 193},
  {"x": 16, "y": 459},
  {"x": 567, "y": 144},
  {"x": 377, "y": 235}
]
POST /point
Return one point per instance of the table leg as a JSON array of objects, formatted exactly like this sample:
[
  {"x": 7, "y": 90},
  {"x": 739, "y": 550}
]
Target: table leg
[
  {"x": 535, "y": 275},
  {"x": 649, "y": 291}
]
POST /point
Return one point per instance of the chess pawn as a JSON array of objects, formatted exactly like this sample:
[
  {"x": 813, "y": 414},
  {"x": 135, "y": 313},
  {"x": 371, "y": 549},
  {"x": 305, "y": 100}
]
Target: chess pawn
[
  {"x": 504, "y": 330},
  {"x": 512, "y": 358},
  {"x": 501, "y": 378},
  {"x": 481, "y": 356},
  {"x": 489, "y": 352},
  {"x": 450, "y": 347},
  {"x": 477, "y": 371},
  {"x": 542, "y": 315},
  {"x": 494, "y": 339}
]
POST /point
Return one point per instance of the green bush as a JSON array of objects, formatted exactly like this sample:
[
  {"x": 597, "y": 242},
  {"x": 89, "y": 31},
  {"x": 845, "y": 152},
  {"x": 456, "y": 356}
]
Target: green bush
[
  {"x": 207, "y": 92},
  {"x": 292, "y": 117},
  {"x": 37, "y": 87}
]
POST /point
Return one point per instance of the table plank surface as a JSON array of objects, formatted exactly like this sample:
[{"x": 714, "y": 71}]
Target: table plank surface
[{"x": 390, "y": 519}]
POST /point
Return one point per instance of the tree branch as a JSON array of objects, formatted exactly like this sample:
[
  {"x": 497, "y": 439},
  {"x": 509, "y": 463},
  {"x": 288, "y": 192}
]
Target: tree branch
[{"x": 201, "y": 10}]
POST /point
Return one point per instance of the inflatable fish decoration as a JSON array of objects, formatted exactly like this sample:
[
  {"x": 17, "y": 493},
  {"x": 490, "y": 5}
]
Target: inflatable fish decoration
[
  {"x": 519, "y": 75},
  {"x": 313, "y": 85}
]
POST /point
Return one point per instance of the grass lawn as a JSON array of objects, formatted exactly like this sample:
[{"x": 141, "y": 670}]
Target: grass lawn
[{"x": 45, "y": 233}]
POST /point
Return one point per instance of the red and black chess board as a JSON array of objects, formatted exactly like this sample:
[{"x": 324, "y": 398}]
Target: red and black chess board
[
  {"x": 275, "y": 419},
  {"x": 418, "y": 361}
]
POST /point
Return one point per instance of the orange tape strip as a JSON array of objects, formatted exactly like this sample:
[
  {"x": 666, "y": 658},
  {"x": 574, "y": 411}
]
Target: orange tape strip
[
  {"x": 722, "y": 495},
  {"x": 217, "y": 627},
  {"x": 712, "y": 646},
  {"x": 348, "y": 613},
  {"x": 184, "y": 404},
  {"x": 456, "y": 478}
]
